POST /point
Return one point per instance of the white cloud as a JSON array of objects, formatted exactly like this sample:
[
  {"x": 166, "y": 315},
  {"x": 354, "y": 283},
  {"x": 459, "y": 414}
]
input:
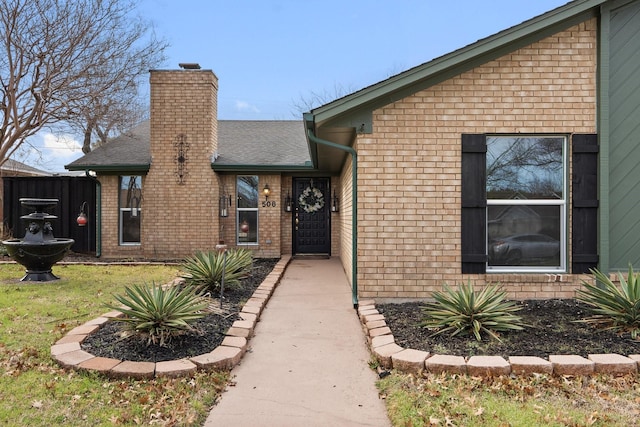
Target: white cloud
[
  {"x": 245, "y": 106},
  {"x": 61, "y": 146},
  {"x": 50, "y": 152}
]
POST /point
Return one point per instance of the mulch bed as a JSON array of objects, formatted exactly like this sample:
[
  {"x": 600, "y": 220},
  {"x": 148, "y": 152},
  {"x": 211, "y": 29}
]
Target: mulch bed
[
  {"x": 113, "y": 341},
  {"x": 552, "y": 330}
]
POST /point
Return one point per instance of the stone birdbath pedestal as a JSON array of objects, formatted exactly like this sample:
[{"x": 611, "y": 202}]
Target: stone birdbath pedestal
[{"x": 39, "y": 249}]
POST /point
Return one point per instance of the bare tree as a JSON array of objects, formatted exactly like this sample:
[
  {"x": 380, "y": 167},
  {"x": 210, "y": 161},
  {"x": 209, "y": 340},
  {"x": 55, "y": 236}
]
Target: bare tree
[
  {"x": 67, "y": 61},
  {"x": 315, "y": 99},
  {"x": 103, "y": 117},
  {"x": 530, "y": 166}
]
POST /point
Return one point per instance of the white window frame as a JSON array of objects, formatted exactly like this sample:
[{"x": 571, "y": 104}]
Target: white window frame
[
  {"x": 122, "y": 209},
  {"x": 239, "y": 211},
  {"x": 562, "y": 203}
]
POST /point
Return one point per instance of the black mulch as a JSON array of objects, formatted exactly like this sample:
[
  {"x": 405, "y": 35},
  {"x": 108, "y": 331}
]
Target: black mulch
[
  {"x": 112, "y": 341},
  {"x": 552, "y": 330}
]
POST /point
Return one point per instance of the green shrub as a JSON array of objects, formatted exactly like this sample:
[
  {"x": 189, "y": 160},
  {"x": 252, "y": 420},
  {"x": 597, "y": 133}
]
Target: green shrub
[
  {"x": 204, "y": 269},
  {"x": 615, "y": 308},
  {"x": 465, "y": 311},
  {"x": 159, "y": 312}
]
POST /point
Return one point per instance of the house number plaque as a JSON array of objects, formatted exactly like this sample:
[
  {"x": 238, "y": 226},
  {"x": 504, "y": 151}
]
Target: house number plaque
[{"x": 268, "y": 204}]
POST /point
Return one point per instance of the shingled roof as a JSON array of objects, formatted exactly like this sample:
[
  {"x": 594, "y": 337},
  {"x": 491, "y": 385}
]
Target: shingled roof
[
  {"x": 242, "y": 145},
  {"x": 127, "y": 152},
  {"x": 15, "y": 168},
  {"x": 273, "y": 144}
]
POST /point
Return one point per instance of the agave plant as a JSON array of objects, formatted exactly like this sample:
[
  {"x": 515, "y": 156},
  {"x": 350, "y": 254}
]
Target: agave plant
[
  {"x": 614, "y": 308},
  {"x": 159, "y": 312},
  {"x": 463, "y": 310},
  {"x": 204, "y": 269}
]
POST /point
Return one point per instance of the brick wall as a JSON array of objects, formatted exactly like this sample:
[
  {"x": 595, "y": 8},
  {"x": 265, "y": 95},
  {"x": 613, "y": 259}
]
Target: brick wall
[
  {"x": 110, "y": 218},
  {"x": 270, "y": 218},
  {"x": 409, "y": 168},
  {"x": 345, "y": 219},
  {"x": 183, "y": 108},
  {"x": 180, "y": 215}
]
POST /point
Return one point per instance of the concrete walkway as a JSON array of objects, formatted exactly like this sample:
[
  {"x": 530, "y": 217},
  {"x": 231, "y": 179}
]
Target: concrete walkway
[{"x": 308, "y": 361}]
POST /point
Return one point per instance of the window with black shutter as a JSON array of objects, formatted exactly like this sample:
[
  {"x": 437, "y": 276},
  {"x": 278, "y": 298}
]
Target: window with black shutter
[{"x": 515, "y": 203}]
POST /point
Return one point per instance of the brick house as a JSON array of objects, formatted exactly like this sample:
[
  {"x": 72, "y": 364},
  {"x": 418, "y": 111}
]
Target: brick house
[{"x": 510, "y": 160}]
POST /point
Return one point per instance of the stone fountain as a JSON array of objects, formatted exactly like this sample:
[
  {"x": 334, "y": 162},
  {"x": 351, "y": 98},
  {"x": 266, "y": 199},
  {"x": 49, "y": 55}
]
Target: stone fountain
[{"x": 38, "y": 250}]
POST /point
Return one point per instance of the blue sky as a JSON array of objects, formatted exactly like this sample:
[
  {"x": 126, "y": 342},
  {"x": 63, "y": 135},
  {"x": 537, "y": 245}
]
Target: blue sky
[{"x": 271, "y": 54}]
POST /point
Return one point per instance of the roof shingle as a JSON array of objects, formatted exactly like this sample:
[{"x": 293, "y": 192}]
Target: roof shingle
[{"x": 240, "y": 143}]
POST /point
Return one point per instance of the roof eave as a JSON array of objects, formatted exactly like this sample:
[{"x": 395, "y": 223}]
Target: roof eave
[
  {"x": 141, "y": 168},
  {"x": 261, "y": 168}
]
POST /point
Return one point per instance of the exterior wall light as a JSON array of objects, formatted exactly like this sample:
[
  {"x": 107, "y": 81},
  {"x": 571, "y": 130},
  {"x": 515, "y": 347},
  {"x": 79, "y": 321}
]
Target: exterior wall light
[
  {"x": 266, "y": 191},
  {"x": 335, "y": 207},
  {"x": 287, "y": 202},
  {"x": 82, "y": 219},
  {"x": 225, "y": 204}
]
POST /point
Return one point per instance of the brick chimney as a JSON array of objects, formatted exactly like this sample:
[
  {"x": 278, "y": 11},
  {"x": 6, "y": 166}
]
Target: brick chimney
[{"x": 181, "y": 190}]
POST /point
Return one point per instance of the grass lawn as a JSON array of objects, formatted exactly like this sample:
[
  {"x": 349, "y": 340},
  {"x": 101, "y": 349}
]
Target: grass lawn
[
  {"x": 454, "y": 400},
  {"x": 35, "y": 391}
]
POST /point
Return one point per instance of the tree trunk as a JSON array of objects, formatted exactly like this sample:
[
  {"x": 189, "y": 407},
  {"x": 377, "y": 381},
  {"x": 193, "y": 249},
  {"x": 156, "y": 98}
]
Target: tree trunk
[{"x": 86, "y": 143}]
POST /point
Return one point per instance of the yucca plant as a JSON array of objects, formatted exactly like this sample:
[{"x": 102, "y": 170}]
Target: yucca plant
[
  {"x": 463, "y": 310},
  {"x": 612, "y": 307},
  {"x": 159, "y": 312},
  {"x": 204, "y": 269}
]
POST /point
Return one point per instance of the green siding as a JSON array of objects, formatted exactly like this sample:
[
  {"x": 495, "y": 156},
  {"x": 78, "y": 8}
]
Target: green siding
[{"x": 624, "y": 136}]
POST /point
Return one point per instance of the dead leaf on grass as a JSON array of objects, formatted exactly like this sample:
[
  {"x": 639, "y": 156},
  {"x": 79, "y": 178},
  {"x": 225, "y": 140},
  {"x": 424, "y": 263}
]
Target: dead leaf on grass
[{"x": 593, "y": 418}]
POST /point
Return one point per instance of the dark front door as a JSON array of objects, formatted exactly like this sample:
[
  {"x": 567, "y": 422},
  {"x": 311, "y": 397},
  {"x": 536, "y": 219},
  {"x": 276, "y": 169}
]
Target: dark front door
[{"x": 311, "y": 218}]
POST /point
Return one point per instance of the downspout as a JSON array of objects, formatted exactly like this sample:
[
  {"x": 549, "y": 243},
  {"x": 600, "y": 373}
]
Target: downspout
[
  {"x": 354, "y": 210},
  {"x": 98, "y": 214}
]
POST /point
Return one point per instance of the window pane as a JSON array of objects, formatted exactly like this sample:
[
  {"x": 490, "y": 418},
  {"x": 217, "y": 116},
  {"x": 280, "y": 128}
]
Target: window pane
[
  {"x": 247, "y": 192},
  {"x": 130, "y": 191},
  {"x": 524, "y": 235},
  {"x": 248, "y": 227},
  {"x": 130, "y": 213},
  {"x": 131, "y": 225},
  {"x": 525, "y": 167}
]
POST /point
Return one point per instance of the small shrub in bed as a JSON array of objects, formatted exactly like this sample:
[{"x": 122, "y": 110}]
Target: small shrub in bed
[
  {"x": 160, "y": 313},
  {"x": 204, "y": 269},
  {"x": 612, "y": 307},
  {"x": 465, "y": 311}
]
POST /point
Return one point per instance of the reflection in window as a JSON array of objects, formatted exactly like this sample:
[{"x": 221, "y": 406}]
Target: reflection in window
[
  {"x": 525, "y": 168},
  {"x": 526, "y": 210},
  {"x": 130, "y": 199},
  {"x": 247, "y": 211}
]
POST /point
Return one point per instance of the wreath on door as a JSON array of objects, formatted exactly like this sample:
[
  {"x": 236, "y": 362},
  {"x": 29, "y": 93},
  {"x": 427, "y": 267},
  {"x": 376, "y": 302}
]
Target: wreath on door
[{"x": 311, "y": 200}]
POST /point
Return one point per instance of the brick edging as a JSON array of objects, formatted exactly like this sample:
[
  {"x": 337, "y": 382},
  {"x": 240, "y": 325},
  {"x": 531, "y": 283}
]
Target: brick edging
[
  {"x": 392, "y": 356},
  {"x": 68, "y": 353}
]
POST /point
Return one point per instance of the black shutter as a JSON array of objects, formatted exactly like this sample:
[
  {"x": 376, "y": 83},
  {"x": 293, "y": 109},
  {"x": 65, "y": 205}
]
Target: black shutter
[
  {"x": 474, "y": 204},
  {"x": 584, "y": 180}
]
